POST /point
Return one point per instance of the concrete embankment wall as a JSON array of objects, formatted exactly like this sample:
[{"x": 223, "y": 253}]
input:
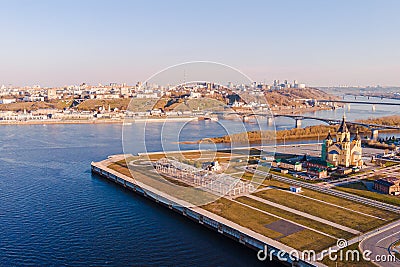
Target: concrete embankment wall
[{"x": 201, "y": 217}]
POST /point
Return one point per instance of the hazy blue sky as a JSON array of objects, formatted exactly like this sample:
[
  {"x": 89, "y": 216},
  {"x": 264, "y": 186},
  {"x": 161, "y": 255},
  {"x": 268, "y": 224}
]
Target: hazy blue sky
[{"x": 318, "y": 42}]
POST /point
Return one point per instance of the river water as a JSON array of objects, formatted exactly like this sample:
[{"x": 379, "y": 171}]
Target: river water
[{"x": 53, "y": 211}]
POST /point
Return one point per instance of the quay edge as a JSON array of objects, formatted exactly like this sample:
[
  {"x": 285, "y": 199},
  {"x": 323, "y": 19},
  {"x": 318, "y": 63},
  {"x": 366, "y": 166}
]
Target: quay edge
[{"x": 210, "y": 220}]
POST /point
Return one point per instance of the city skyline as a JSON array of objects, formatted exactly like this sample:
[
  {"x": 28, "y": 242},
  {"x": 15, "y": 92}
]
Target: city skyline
[{"x": 321, "y": 44}]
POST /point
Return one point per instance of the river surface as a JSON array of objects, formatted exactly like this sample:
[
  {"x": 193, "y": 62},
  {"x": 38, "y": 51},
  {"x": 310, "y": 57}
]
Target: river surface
[{"x": 53, "y": 211}]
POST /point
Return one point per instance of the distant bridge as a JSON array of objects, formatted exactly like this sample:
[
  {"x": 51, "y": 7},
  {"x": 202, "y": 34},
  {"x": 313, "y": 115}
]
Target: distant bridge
[
  {"x": 373, "y": 127},
  {"x": 358, "y": 102},
  {"x": 299, "y": 118}
]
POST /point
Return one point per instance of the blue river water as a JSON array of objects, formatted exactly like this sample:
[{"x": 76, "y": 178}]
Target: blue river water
[{"x": 53, "y": 211}]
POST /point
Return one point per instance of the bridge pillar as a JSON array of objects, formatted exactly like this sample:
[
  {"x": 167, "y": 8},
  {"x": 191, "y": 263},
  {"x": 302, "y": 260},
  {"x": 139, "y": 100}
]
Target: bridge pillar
[
  {"x": 270, "y": 121},
  {"x": 374, "y": 134},
  {"x": 348, "y": 106},
  {"x": 245, "y": 119},
  {"x": 298, "y": 123},
  {"x": 373, "y": 107}
]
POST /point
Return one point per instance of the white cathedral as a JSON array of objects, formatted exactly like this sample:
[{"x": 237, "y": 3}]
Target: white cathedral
[{"x": 343, "y": 151}]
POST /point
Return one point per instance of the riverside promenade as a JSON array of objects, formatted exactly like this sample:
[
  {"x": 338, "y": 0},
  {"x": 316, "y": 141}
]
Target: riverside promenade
[{"x": 212, "y": 221}]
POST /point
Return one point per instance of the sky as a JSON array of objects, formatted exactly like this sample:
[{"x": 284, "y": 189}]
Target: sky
[{"x": 317, "y": 42}]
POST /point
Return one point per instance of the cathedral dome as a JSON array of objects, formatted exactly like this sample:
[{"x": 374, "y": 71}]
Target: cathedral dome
[
  {"x": 329, "y": 137},
  {"x": 343, "y": 126}
]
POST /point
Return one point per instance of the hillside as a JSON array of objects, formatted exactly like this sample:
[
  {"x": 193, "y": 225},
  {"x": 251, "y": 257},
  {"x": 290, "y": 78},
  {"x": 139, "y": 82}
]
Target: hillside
[
  {"x": 29, "y": 106},
  {"x": 95, "y": 104},
  {"x": 287, "y": 97}
]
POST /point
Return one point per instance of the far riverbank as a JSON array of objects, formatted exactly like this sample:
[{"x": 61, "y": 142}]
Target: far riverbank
[{"x": 97, "y": 121}]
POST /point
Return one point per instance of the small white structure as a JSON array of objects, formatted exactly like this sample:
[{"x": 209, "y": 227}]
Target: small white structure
[
  {"x": 295, "y": 189},
  {"x": 7, "y": 100},
  {"x": 195, "y": 95},
  {"x": 215, "y": 166}
]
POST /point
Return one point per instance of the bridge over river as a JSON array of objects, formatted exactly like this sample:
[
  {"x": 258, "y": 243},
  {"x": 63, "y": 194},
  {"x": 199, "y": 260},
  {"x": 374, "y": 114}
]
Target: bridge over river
[
  {"x": 299, "y": 118},
  {"x": 373, "y": 103}
]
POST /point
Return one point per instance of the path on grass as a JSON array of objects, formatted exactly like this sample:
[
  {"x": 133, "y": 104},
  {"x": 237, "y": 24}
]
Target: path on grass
[
  {"x": 283, "y": 219},
  {"x": 334, "y": 205},
  {"x": 303, "y": 214}
]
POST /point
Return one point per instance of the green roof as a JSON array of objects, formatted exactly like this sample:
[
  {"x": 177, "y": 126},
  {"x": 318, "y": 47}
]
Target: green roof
[
  {"x": 321, "y": 162},
  {"x": 316, "y": 169}
]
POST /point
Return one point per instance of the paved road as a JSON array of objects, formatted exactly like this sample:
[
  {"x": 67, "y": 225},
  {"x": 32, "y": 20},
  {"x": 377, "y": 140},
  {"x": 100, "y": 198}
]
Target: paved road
[{"x": 379, "y": 244}]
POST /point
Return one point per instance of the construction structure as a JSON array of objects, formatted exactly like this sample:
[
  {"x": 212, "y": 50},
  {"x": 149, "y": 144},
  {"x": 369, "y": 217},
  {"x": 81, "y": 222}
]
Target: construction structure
[{"x": 222, "y": 184}]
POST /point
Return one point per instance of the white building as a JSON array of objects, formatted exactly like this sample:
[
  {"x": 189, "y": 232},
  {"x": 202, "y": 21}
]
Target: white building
[
  {"x": 152, "y": 95},
  {"x": 295, "y": 189},
  {"x": 7, "y": 100},
  {"x": 195, "y": 95}
]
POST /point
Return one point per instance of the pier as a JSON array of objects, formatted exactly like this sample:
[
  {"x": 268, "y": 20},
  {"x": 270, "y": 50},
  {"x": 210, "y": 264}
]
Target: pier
[{"x": 208, "y": 219}]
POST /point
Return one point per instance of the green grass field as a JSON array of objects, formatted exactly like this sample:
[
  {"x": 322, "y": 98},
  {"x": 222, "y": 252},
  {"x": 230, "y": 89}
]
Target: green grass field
[
  {"x": 334, "y": 214},
  {"x": 351, "y": 205},
  {"x": 391, "y": 163},
  {"x": 257, "y": 221},
  {"x": 243, "y": 216},
  {"x": 330, "y": 230}
]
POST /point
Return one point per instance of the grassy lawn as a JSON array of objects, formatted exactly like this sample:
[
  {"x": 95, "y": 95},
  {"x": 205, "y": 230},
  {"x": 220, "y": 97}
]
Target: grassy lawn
[
  {"x": 297, "y": 218},
  {"x": 243, "y": 216},
  {"x": 308, "y": 239},
  {"x": 350, "y": 262},
  {"x": 391, "y": 163},
  {"x": 334, "y": 214},
  {"x": 275, "y": 183},
  {"x": 257, "y": 222},
  {"x": 360, "y": 190},
  {"x": 350, "y": 204}
]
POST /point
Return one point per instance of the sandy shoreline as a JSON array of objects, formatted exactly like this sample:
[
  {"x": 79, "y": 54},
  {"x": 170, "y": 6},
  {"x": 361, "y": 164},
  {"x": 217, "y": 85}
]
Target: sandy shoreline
[
  {"x": 38, "y": 122},
  {"x": 99, "y": 121}
]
